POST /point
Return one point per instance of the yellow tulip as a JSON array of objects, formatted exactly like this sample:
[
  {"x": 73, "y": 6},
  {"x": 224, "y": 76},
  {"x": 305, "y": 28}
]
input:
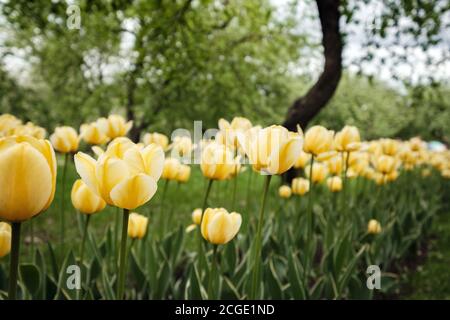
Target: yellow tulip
[
  {"x": 319, "y": 172},
  {"x": 302, "y": 160},
  {"x": 29, "y": 129},
  {"x": 300, "y": 186},
  {"x": 182, "y": 145},
  {"x": 392, "y": 176},
  {"x": 197, "y": 216},
  {"x": 65, "y": 139},
  {"x": 7, "y": 123},
  {"x": 285, "y": 192},
  {"x": 318, "y": 139},
  {"x": 335, "y": 165},
  {"x": 85, "y": 200},
  {"x": 184, "y": 172},
  {"x": 373, "y": 227},
  {"x": 91, "y": 133},
  {"x": 115, "y": 126},
  {"x": 219, "y": 226},
  {"x": 229, "y": 131},
  {"x": 5, "y": 239},
  {"x": 347, "y": 139},
  {"x": 217, "y": 162},
  {"x": 171, "y": 168},
  {"x": 272, "y": 150},
  {"x": 27, "y": 177},
  {"x": 385, "y": 164},
  {"x": 390, "y": 147},
  {"x": 124, "y": 176},
  {"x": 334, "y": 184},
  {"x": 157, "y": 138},
  {"x": 137, "y": 225},
  {"x": 426, "y": 172}
]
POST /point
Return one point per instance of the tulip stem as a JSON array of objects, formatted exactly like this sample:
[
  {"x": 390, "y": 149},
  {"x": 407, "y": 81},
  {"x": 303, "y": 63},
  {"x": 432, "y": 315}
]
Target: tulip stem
[
  {"x": 233, "y": 202},
  {"x": 123, "y": 255},
  {"x": 14, "y": 262},
  {"x": 62, "y": 215},
  {"x": 169, "y": 216},
  {"x": 212, "y": 271},
  {"x": 161, "y": 207},
  {"x": 200, "y": 238},
  {"x": 258, "y": 244},
  {"x": 83, "y": 241},
  {"x": 309, "y": 231}
]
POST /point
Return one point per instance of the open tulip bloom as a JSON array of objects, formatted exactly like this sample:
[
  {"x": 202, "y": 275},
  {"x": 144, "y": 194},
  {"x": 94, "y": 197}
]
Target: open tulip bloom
[{"x": 124, "y": 176}]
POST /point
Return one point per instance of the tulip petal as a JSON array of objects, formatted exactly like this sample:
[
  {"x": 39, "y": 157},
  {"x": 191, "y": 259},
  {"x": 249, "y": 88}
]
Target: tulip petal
[
  {"x": 86, "y": 167},
  {"x": 133, "y": 192},
  {"x": 207, "y": 215},
  {"x": 154, "y": 160}
]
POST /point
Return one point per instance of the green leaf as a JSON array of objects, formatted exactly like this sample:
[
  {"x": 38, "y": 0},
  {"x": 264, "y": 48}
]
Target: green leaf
[{"x": 31, "y": 277}]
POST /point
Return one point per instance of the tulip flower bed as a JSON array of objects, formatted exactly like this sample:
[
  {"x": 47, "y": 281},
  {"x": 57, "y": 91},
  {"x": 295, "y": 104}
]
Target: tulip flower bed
[{"x": 120, "y": 220}]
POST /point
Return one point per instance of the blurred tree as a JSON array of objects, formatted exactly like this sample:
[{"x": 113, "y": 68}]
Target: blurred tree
[{"x": 156, "y": 59}]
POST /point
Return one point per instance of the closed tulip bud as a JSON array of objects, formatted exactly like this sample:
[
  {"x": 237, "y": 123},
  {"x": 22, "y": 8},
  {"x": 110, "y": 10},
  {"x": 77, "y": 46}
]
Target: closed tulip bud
[
  {"x": 347, "y": 139},
  {"x": 380, "y": 178},
  {"x": 137, "y": 225},
  {"x": 115, "y": 126},
  {"x": 319, "y": 172},
  {"x": 335, "y": 165},
  {"x": 426, "y": 172},
  {"x": 416, "y": 144},
  {"x": 318, "y": 139},
  {"x": 197, "y": 216},
  {"x": 91, "y": 133},
  {"x": 285, "y": 192},
  {"x": 124, "y": 176},
  {"x": 27, "y": 177},
  {"x": 184, "y": 172},
  {"x": 171, "y": 169},
  {"x": 5, "y": 239},
  {"x": 445, "y": 173},
  {"x": 392, "y": 176},
  {"x": 302, "y": 160},
  {"x": 182, "y": 145},
  {"x": 300, "y": 186},
  {"x": 390, "y": 147},
  {"x": 373, "y": 227},
  {"x": 85, "y": 200},
  {"x": 217, "y": 162},
  {"x": 385, "y": 164},
  {"x": 65, "y": 139},
  {"x": 157, "y": 138},
  {"x": 219, "y": 226},
  {"x": 334, "y": 184},
  {"x": 272, "y": 150}
]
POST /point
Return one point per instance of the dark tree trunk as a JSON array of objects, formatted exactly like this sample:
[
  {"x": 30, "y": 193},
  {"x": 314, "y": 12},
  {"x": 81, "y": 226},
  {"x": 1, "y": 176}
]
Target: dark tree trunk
[{"x": 307, "y": 107}]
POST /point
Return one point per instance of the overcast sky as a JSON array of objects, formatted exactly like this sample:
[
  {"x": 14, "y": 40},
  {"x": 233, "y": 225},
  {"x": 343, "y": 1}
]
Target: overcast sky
[{"x": 416, "y": 69}]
